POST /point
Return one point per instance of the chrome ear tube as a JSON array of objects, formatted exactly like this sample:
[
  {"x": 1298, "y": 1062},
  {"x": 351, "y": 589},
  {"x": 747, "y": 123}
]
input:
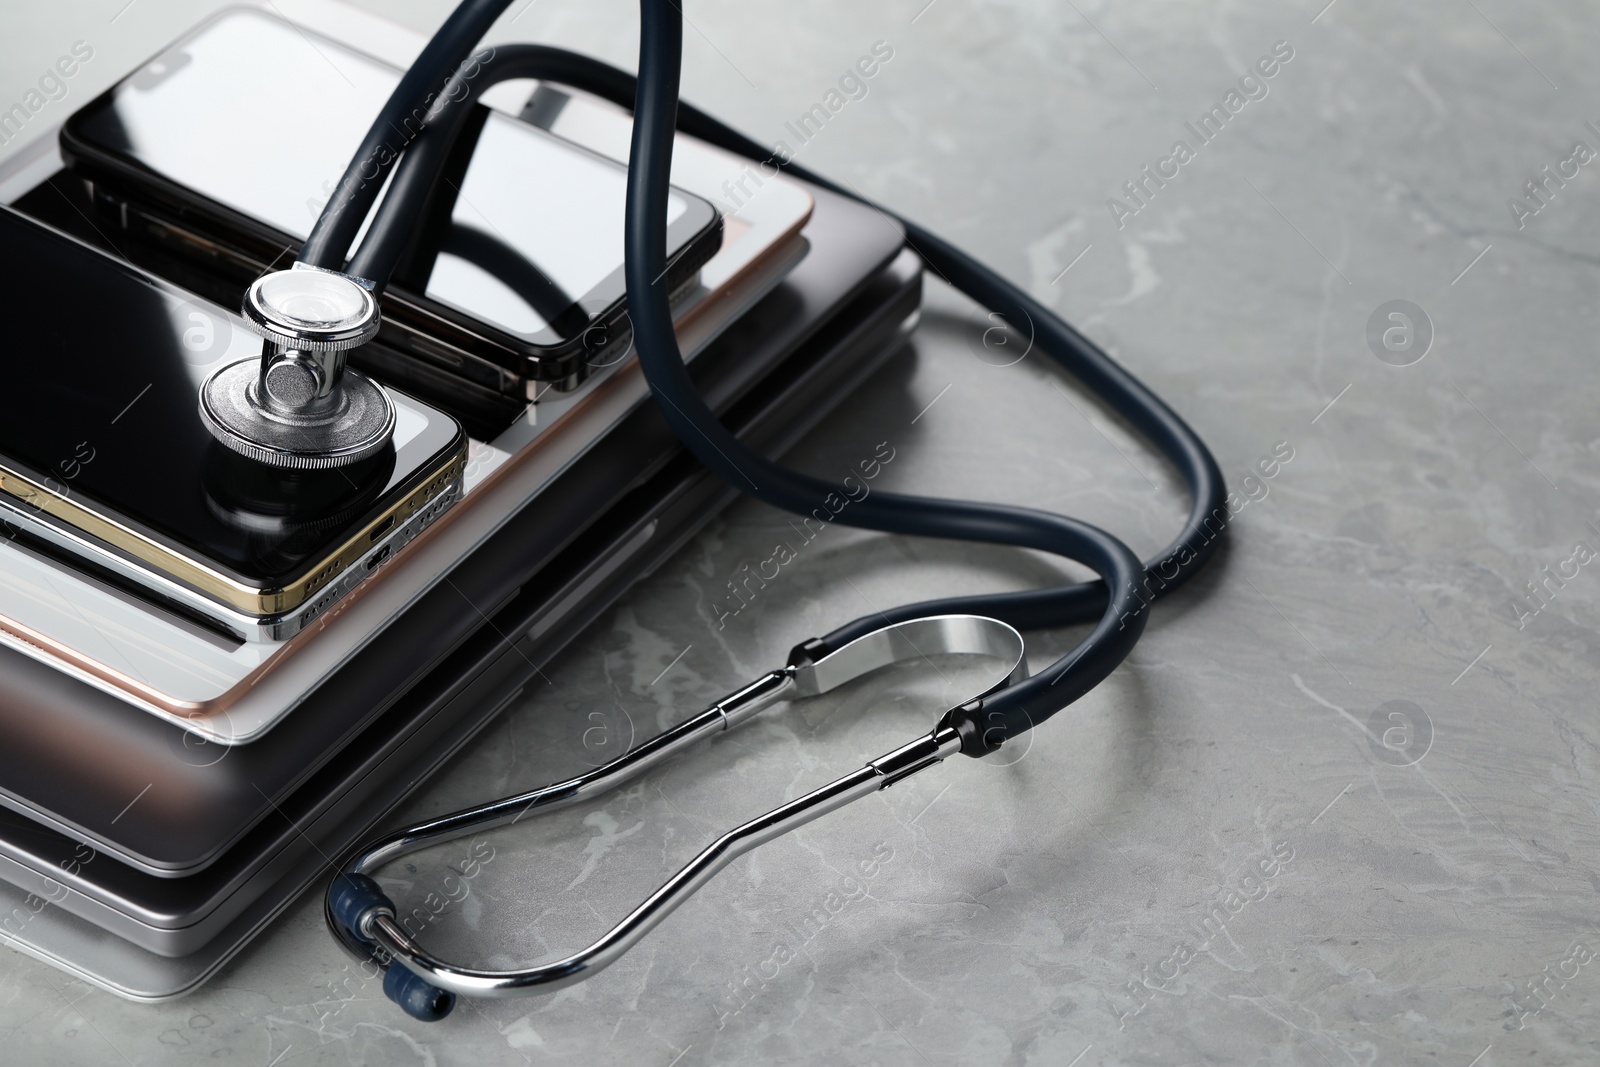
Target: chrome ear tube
[
  {"x": 299, "y": 406},
  {"x": 365, "y": 920}
]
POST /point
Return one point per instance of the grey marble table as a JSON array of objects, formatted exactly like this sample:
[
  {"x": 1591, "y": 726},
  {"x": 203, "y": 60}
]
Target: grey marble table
[{"x": 1340, "y": 805}]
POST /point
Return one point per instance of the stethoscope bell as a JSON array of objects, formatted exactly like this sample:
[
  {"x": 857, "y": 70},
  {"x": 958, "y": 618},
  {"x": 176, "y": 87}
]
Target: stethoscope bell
[{"x": 299, "y": 406}]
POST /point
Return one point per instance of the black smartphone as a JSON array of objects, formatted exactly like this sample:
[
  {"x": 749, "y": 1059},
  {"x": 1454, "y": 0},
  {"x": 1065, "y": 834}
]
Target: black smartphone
[
  {"x": 226, "y": 146},
  {"x": 103, "y": 453}
]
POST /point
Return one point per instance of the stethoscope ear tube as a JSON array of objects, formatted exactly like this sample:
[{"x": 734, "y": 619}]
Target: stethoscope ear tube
[{"x": 364, "y": 918}]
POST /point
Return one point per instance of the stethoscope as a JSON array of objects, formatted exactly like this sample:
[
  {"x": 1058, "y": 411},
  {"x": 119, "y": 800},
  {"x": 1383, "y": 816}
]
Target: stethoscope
[{"x": 300, "y": 406}]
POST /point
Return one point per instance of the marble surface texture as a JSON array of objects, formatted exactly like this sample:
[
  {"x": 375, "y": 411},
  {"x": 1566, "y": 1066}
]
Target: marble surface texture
[{"x": 1338, "y": 807}]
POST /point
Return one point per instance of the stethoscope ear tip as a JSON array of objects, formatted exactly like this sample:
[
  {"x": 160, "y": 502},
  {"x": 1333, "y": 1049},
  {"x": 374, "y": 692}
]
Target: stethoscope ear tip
[
  {"x": 353, "y": 897},
  {"x": 416, "y": 996}
]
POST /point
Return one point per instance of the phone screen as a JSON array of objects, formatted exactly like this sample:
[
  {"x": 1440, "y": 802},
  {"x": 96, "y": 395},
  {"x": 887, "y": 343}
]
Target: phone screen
[
  {"x": 103, "y": 377},
  {"x": 262, "y": 117}
]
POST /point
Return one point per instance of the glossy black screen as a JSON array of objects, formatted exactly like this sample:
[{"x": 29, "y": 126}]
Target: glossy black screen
[
  {"x": 262, "y": 117},
  {"x": 101, "y": 369}
]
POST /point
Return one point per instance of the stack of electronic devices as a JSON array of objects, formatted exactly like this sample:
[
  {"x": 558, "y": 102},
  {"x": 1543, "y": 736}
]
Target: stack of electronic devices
[{"x": 215, "y": 674}]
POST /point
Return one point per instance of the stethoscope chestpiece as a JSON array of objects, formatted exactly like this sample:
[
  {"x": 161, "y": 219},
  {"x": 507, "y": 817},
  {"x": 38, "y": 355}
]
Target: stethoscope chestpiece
[{"x": 299, "y": 406}]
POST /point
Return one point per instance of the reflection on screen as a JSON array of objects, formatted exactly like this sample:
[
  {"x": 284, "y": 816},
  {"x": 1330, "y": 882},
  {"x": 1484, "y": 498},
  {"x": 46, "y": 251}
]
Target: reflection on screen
[
  {"x": 262, "y": 117},
  {"x": 110, "y": 418}
]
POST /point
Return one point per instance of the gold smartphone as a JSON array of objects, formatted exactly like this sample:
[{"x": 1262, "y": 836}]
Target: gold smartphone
[{"x": 103, "y": 455}]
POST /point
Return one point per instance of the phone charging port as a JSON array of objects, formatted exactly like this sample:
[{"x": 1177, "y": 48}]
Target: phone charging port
[
  {"x": 381, "y": 529},
  {"x": 378, "y": 557}
]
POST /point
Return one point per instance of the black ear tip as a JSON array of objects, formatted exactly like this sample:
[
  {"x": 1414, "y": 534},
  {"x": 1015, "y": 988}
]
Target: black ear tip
[{"x": 416, "y": 996}]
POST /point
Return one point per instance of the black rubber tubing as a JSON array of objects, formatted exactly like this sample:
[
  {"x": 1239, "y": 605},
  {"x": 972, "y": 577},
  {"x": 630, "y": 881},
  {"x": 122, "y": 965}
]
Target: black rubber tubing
[
  {"x": 1131, "y": 585},
  {"x": 1156, "y": 422},
  {"x": 406, "y": 112},
  {"x": 426, "y": 154}
]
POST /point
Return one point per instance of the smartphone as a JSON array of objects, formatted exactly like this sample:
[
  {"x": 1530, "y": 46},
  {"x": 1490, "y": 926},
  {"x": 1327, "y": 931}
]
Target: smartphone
[
  {"x": 103, "y": 454},
  {"x": 226, "y": 146}
]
